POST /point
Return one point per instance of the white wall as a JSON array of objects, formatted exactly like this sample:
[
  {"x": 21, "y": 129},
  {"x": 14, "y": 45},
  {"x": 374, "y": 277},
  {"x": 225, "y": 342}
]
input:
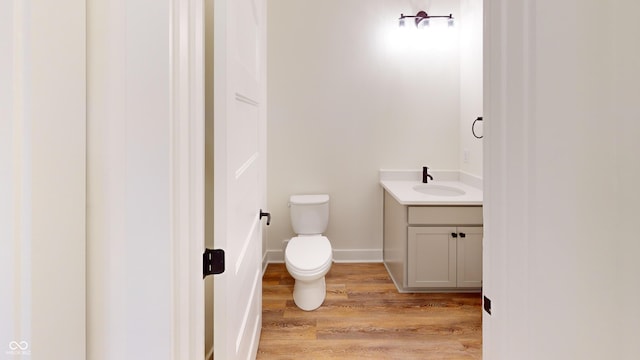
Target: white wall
[
  {"x": 42, "y": 179},
  {"x": 349, "y": 94},
  {"x": 561, "y": 151},
  {"x": 470, "y": 85}
]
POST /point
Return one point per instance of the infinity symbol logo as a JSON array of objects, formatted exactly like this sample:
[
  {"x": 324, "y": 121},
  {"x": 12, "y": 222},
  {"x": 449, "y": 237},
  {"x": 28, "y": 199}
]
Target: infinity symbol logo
[{"x": 22, "y": 345}]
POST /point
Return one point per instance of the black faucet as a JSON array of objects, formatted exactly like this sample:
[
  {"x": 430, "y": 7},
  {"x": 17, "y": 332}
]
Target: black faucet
[{"x": 425, "y": 175}]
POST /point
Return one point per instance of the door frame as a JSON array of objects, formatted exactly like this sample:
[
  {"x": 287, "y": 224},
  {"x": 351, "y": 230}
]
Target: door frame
[{"x": 187, "y": 177}]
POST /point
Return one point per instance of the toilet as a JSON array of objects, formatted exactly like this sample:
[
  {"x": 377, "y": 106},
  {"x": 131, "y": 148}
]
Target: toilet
[{"x": 308, "y": 256}]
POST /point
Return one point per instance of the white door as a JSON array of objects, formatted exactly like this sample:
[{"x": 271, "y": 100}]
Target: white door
[{"x": 239, "y": 173}]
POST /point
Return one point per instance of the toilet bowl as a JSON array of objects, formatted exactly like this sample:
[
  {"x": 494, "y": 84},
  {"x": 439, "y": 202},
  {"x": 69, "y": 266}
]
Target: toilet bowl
[
  {"x": 308, "y": 256},
  {"x": 308, "y": 259}
]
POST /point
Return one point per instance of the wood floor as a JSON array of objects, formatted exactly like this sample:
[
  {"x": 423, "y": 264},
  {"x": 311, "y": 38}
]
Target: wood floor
[{"x": 364, "y": 317}]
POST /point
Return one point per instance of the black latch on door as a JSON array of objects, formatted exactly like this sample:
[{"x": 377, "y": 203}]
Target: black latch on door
[
  {"x": 487, "y": 305},
  {"x": 268, "y": 215},
  {"x": 212, "y": 262}
]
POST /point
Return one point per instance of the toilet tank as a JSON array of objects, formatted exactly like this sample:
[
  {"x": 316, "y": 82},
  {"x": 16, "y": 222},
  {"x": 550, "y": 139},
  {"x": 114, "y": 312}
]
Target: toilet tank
[{"x": 309, "y": 213}]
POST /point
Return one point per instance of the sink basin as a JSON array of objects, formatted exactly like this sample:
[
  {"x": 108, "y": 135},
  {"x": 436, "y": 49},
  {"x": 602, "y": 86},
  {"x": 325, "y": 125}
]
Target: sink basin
[{"x": 438, "y": 190}]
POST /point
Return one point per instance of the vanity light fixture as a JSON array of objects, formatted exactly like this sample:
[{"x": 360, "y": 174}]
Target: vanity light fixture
[{"x": 421, "y": 19}]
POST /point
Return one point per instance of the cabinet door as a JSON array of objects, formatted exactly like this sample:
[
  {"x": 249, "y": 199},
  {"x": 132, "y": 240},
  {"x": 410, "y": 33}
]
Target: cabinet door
[
  {"x": 469, "y": 257},
  {"x": 431, "y": 258}
]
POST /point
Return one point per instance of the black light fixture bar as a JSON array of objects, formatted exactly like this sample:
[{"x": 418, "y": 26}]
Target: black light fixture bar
[{"x": 421, "y": 16}]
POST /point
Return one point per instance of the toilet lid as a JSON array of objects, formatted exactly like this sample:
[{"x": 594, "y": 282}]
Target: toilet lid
[{"x": 307, "y": 253}]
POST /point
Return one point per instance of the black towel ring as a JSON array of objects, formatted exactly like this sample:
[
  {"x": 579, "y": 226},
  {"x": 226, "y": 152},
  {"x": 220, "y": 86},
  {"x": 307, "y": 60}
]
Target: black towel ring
[{"x": 473, "y": 130}]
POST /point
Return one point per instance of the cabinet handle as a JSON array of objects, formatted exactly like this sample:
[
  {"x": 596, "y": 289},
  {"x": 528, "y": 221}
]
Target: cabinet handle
[
  {"x": 463, "y": 235},
  {"x": 454, "y": 235}
]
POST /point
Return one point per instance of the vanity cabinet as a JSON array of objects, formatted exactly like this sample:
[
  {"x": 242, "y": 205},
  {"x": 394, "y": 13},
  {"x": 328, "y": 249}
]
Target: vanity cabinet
[
  {"x": 433, "y": 248},
  {"x": 442, "y": 256}
]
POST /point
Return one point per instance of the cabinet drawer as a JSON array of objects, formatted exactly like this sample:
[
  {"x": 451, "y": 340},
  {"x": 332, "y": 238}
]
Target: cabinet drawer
[{"x": 445, "y": 215}]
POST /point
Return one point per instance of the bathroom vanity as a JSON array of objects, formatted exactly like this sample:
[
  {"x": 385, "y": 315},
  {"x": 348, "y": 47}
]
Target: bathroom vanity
[{"x": 433, "y": 239}]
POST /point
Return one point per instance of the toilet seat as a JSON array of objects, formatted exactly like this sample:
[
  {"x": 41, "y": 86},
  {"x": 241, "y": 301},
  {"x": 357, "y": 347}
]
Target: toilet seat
[{"x": 306, "y": 255}]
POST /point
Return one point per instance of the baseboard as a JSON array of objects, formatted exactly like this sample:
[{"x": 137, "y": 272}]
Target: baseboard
[
  {"x": 357, "y": 256},
  {"x": 275, "y": 256},
  {"x": 339, "y": 255}
]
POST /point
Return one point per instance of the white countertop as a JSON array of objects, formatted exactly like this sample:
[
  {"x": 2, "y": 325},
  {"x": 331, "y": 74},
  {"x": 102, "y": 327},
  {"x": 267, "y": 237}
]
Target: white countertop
[{"x": 400, "y": 183}]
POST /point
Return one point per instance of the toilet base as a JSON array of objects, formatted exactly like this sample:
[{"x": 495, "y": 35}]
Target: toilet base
[{"x": 309, "y": 295}]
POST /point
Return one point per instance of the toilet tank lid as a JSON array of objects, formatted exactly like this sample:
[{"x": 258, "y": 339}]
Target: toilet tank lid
[{"x": 309, "y": 199}]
